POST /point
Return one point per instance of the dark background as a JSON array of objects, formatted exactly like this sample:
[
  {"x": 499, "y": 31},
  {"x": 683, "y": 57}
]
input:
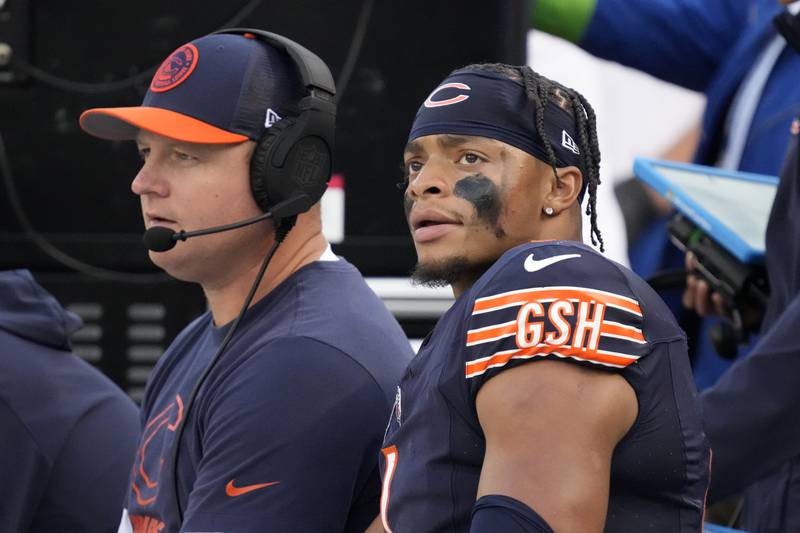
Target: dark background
[{"x": 76, "y": 189}]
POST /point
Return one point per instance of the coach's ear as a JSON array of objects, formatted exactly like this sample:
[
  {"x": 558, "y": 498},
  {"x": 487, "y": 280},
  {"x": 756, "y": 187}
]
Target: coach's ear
[{"x": 563, "y": 192}]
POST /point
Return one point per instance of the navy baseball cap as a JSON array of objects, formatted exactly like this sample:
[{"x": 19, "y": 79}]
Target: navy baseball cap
[{"x": 220, "y": 88}]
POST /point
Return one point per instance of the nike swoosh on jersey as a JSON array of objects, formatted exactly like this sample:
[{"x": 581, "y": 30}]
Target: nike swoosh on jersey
[
  {"x": 534, "y": 265},
  {"x": 233, "y": 491}
]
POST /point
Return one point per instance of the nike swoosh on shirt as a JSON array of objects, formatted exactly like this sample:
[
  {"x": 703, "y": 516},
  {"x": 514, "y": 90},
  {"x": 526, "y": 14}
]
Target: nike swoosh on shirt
[
  {"x": 233, "y": 491},
  {"x": 534, "y": 265}
]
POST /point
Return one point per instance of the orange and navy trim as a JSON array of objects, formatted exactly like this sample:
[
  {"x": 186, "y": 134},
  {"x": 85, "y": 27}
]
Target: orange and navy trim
[
  {"x": 578, "y": 327},
  {"x": 549, "y": 294},
  {"x": 509, "y": 329}
]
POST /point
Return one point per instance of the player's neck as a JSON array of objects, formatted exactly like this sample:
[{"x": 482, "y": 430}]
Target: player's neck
[
  {"x": 566, "y": 227},
  {"x": 303, "y": 245},
  {"x": 463, "y": 285}
]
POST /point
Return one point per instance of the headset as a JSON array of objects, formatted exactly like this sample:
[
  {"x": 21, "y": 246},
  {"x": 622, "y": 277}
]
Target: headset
[
  {"x": 289, "y": 172},
  {"x": 294, "y": 157}
]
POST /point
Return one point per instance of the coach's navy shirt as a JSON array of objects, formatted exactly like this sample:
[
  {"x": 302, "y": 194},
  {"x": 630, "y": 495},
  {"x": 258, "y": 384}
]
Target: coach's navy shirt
[
  {"x": 286, "y": 431},
  {"x": 67, "y": 433},
  {"x": 560, "y": 301}
]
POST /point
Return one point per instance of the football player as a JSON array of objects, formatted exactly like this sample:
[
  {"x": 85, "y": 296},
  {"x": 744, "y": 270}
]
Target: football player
[{"x": 556, "y": 393}]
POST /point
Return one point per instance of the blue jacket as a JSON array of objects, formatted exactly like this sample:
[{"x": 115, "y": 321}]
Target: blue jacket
[
  {"x": 751, "y": 414},
  {"x": 67, "y": 434},
  {"x": 709, "y": 45}
]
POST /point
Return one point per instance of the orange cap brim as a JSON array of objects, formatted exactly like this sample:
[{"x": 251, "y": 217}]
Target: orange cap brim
[{"x": 124, "y": 123}]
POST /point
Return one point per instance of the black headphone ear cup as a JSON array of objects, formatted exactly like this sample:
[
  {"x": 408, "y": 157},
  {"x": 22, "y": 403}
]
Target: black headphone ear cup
[
  {"x": 304, "y": 170},
  {"x": 261, "y": 167}
]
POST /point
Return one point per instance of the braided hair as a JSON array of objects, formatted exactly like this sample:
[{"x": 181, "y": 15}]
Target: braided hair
[{"x": 541, "y": 91}]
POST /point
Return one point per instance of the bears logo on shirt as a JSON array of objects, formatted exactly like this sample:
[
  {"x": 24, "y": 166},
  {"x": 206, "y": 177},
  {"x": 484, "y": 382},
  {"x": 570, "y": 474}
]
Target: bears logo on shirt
[
  {"x": 175, "y": 69},
  {"x": 148, "y": 466}
]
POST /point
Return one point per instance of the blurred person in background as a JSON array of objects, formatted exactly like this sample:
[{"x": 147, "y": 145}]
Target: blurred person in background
[
  {"x": 751, "y": 413},
  {"x": 67, "y": 433},
  {"x": 743, "y": 55},
  {"x": 727, "y": 49}
]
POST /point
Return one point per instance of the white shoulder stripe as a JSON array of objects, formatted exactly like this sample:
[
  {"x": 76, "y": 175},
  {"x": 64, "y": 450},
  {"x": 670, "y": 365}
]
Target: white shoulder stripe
[
  {"x": 491, "y": 339},
  {"x": 611, "y": 335},
  {"x": 499, "y": 307},
  {"x": 493, "y": 326}
]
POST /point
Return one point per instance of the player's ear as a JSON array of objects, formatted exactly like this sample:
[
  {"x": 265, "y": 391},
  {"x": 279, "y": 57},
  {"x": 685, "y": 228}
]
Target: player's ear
[{"x": 563, "y": 192}]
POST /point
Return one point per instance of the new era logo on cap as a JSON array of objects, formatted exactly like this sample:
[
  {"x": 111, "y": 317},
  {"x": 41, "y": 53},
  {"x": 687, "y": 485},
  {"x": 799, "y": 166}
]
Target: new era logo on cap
[
  {"x": 271, "y": 118},
  {"x": 569, "y": 143}
]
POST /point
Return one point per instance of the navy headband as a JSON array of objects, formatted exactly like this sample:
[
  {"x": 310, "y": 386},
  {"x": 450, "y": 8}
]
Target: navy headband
[{"x": 488, "y": 104}]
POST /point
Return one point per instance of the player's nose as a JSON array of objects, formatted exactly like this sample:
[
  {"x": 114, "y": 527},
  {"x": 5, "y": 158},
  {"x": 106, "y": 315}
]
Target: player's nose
[{"x": 431, "y": 180}]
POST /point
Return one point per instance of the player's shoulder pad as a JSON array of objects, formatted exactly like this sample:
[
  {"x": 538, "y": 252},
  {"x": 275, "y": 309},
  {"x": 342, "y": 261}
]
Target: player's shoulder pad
[{"x": 556, "y": 299}]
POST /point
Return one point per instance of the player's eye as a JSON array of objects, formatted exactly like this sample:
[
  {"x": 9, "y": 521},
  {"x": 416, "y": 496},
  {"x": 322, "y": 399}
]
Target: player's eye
[
  {"x": 412, "y": 167},
  {"x": 470, "y": 158},
  {"x": 143, "y": 153}
]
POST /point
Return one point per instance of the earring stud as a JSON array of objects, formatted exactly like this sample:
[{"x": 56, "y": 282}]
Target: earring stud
[{"x": 549, "y": 211}]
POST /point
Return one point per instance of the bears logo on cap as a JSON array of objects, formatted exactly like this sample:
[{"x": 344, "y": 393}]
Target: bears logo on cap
[{"x": 175, "y": 69}]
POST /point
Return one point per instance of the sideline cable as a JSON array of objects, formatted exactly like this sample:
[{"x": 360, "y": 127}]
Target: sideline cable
[
  {"x": 51, "y": 250},
  {"x": 64, "y": 84},
  {"x": 40, "y": 75},
  {"x": 355, "y": 48},
  {"x": 112, "y": 86},
  {"x": 280, "y": 234}
]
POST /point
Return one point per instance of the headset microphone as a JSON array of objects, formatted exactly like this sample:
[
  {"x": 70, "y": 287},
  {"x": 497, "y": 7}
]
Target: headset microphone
[{"x": 161, "y": 238}]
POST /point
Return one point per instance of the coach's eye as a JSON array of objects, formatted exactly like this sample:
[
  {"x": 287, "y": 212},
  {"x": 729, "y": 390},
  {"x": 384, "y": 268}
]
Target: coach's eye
[{"x": 183, "y": 156}]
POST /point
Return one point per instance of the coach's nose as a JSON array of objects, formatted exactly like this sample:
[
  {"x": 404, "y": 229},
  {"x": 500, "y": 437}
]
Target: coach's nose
[{"x": 149, "y": 180}]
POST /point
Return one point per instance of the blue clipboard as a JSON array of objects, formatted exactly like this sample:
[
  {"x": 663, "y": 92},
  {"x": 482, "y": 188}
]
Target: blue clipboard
[{"x": 730, "y": 207}]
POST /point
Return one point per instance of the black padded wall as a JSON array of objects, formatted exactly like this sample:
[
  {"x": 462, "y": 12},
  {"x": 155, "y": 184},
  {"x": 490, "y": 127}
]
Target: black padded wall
[{"x": 75, "y": 189}]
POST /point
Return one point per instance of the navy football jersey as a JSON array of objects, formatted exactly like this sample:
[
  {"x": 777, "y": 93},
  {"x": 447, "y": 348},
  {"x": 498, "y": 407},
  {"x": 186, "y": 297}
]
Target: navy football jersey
[{"x": 547, "y": 300}]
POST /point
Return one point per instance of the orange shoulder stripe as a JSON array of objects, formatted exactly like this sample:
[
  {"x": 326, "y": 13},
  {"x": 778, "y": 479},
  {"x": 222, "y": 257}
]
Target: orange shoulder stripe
[
  {"x": 477, "y": 336},
  {"x": 508, "y": 329},
  {"x": 520, "y": 297},
  {"x": 479, "y": 366},
  {"x": 621, "y": 330}
]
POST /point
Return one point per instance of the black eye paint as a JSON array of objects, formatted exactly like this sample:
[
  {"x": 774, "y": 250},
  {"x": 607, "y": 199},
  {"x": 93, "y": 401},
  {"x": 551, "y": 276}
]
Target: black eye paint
[{"x": 484, "y": 195}]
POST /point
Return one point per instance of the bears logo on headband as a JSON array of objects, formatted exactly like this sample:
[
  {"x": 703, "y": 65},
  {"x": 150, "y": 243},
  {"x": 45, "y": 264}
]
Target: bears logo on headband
[
  {"x": 492, "y": 105},
  {"x": 430, "y": 102},
  {"x": 175, "y": 69}
]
